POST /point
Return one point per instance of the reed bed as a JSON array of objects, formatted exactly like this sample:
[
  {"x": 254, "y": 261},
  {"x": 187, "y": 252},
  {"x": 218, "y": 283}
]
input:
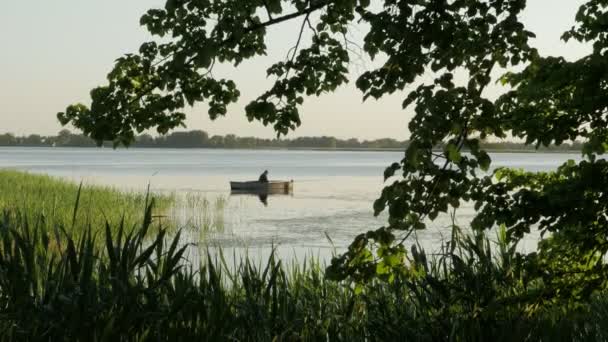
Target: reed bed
[
  {"x": 52, "y": 199},
  {"x": 136, "y": 286},
  {"x": 196, "y": 211}
]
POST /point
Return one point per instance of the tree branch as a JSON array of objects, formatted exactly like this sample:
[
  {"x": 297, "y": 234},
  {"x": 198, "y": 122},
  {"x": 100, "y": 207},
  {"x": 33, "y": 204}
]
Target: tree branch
[
  {"x": 460, "y": 144},
  {"x": 312, "y": 8},
  {"x": 307, "y": 11}
]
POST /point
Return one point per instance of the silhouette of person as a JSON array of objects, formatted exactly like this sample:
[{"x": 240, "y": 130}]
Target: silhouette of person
[{"x": 264, "y": 177}]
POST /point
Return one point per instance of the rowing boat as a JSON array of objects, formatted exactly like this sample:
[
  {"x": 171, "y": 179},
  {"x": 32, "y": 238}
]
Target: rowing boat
[{"x": 276, "y": 187}]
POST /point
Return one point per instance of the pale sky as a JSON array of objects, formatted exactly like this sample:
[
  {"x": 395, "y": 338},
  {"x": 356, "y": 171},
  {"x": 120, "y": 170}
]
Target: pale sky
[{"x": 53, "y": 52}]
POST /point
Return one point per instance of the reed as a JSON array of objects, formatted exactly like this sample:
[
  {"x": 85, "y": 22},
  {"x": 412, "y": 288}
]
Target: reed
[
  {"x": 131, "y": 283},
  {"x": 52, "y": 199},
  {"x": 197, "y": 212}
]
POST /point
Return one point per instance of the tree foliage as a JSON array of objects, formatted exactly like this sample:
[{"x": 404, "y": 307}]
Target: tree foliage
[{"x": 462, "y": 44}]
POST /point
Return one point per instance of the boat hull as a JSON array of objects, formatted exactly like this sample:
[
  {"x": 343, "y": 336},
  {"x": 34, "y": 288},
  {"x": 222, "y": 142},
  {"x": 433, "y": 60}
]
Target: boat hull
[{"x": 274, "y": 187}]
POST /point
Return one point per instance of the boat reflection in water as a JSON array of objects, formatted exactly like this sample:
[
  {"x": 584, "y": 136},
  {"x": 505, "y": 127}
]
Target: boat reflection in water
[{"x": 262, "y": 189}]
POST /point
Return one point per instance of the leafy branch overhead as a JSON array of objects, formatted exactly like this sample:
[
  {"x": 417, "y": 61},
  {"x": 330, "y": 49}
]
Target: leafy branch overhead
[
  {"x": 461, "y": 45},
  {"x": 151, "y": 89}
]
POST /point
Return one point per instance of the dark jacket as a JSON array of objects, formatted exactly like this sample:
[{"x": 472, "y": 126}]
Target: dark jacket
[{"x": 263, "y": 178}]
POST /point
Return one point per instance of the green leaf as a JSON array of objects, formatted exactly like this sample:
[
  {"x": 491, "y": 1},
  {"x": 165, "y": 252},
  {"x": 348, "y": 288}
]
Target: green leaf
[
  {"x": 484, "y": 160},
  {"x": 453, "y": 153},
  {"x": 412, "y": 154}
]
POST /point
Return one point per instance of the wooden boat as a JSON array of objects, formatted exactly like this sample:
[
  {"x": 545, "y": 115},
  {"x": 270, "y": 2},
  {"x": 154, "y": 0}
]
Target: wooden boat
[{"x": 272, "y": 187}]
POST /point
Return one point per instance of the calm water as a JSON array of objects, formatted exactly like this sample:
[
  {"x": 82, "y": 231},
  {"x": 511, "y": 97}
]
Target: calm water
[{"x": 333, "y": 192}]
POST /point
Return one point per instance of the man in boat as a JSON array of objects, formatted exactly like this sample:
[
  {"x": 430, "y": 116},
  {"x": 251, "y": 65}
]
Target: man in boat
[{"x": 264, "y": 177}]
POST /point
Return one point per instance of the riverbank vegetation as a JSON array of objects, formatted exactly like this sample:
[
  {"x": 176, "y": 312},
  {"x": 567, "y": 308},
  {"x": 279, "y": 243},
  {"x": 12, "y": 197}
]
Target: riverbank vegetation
[
  {"x": 128, "y": 285},
  {"x": 98, "y": 277},
  {"x": 53, "y": 199},
  {"x": 197, "y": 212}
]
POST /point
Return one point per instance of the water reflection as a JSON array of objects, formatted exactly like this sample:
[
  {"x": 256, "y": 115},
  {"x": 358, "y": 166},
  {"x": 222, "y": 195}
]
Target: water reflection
[{"x": 262, "y": 196}]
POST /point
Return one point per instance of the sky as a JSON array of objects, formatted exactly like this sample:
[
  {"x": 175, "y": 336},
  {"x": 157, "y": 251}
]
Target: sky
[{"x": 53, "y": 52}]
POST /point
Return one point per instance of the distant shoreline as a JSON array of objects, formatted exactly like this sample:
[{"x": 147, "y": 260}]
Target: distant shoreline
[
  {"x": 201, "y": 139},
  {"x": 318, "y": 149}
]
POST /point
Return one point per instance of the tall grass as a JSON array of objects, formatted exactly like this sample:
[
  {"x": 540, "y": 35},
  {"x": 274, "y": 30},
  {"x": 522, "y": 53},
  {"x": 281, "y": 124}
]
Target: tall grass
[
  {"x": 53, "y": 199},
  {"x": 195, "y": 211},
  {"x": 135, "y": 285}
]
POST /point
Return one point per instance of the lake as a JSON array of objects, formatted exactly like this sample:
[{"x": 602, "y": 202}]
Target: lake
[{"x": 333, "y": 190}]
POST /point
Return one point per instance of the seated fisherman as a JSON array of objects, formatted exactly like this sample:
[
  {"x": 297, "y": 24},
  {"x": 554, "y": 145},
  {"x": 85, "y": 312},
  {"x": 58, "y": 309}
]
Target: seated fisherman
[{"x": 264, "y": 177}]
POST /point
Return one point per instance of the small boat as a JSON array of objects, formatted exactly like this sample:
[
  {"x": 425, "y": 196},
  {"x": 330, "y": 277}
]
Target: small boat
[{"x": 272, "y": 187}]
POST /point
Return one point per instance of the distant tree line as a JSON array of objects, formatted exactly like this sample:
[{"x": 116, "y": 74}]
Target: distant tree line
[
  {"x": 64, "y": 138},
  {"x": 201, "y": 139}
]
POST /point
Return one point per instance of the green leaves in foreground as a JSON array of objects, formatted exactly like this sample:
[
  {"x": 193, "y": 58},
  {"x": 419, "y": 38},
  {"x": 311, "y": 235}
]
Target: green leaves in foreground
[
  {"x": 55, "y": 288},
  {"x": 135, "y": 285}
]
